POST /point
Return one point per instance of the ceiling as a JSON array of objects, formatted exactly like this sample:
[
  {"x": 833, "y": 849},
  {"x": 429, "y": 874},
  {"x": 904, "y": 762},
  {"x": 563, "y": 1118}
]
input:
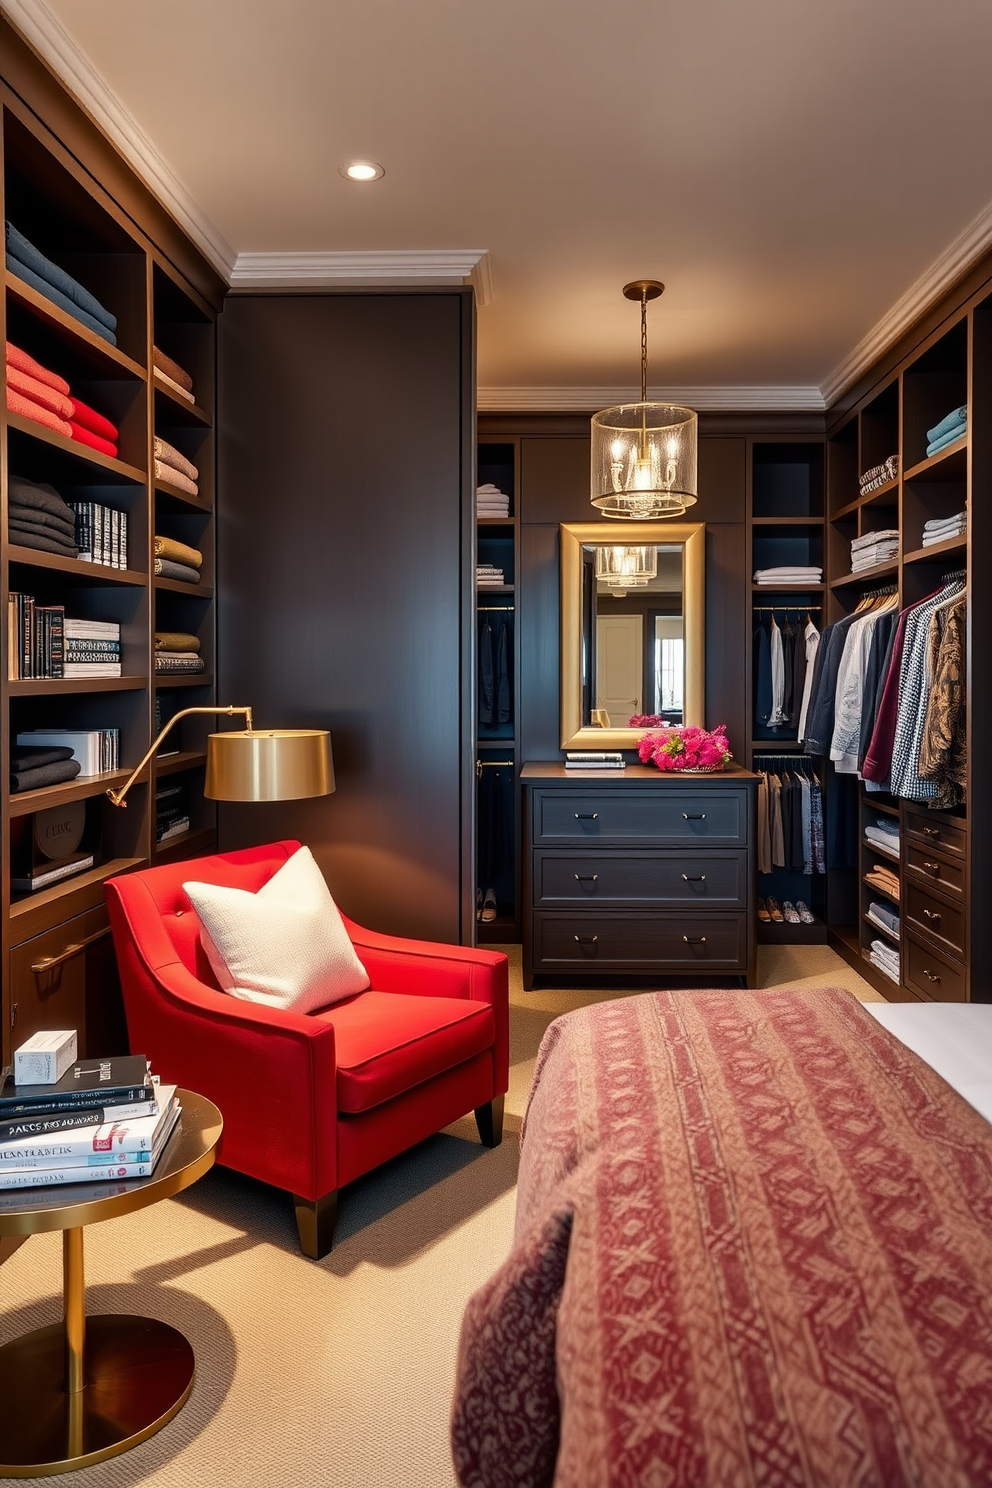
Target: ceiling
[{"x": 804, "y": 177}]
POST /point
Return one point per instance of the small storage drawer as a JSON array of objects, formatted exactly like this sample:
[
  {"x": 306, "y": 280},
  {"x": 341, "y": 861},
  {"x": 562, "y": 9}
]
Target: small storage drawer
[
  {"x": 631, "y": 879},
  {"x": 662, "y": 817},
  {"x": 930, "y": 830},
  {"x": 636, "y": 944},
  {"x": 938, "y": 918},
  {"x": 947, "y": 874},
  {"x": 933, "y": 974}
]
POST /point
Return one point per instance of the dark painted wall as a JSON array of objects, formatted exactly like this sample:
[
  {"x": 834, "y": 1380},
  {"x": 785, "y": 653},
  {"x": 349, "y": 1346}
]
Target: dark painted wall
[{"x": 344, "y": 575}]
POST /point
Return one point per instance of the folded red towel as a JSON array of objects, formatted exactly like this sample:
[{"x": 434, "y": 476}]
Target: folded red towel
[
  {"x": 29, "y": 409},
  {"x": 40, "y": 392},
  {"x": 24, "y": 363},
  {"x": 89, "y": 418},
  {"x": 85, "y": 436}
]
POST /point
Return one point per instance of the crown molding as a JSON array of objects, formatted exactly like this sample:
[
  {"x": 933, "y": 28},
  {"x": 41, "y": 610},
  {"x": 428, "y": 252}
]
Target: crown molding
[
  {"x": 317, "y": 270},
  {"x": 943, "y": 273},
  {"x": 45, "y": 32},
  {"x": 703, "y": 399}
]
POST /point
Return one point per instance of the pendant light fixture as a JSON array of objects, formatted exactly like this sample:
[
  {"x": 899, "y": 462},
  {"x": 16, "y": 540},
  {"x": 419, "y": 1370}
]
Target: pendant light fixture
[
  {"x": 644, "y": 454},
  {"x": 624, "y": 568}
]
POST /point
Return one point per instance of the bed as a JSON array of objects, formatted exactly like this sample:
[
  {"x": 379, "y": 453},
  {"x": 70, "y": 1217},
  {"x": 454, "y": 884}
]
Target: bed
[{"x": 753, "y": 1246}]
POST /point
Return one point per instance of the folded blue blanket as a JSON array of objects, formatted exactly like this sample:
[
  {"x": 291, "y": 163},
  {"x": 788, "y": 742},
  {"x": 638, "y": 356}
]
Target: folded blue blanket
[
  {"x": 936, "y": 445},
  {"x": 28, "y": 254},
  {"x": 953, "y": 420},
  {"x": 58, "y": 298}
]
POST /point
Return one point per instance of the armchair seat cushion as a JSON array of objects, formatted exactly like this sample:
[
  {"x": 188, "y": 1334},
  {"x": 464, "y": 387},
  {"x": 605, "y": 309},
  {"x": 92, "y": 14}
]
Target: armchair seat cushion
[{"x": 388, "y": 1042}]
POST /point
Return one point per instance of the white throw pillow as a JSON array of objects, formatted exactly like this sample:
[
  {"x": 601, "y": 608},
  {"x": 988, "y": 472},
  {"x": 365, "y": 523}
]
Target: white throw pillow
[{"x": 285, "y": 946}]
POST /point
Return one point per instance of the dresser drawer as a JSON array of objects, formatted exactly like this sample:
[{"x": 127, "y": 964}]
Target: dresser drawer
[
  {"x": 638, "y": 944},
  {"x": 663, "y": 816},
  {"x": 946, "y": 874},
  {"x": 938, "y": 918},
  {"x": 933, "y": 974},
  {"x": 618, "y": 880},
  {"x": 930, "y": 830}
]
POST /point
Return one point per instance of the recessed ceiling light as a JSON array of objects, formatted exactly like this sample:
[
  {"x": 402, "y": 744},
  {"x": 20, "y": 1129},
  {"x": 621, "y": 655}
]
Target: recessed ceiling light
[{"x": 361, "y": 170}]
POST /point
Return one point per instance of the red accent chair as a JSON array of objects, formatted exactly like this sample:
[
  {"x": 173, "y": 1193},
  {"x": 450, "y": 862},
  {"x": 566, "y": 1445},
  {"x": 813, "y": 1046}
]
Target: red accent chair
[{"x": 312, "y": 1102}]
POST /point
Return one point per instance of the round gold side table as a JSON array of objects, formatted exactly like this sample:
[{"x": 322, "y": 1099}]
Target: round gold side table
[{"x": 85, "y": 1389}]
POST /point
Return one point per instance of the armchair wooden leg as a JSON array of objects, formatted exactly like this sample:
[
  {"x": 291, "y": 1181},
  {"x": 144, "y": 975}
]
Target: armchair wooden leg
[
  {"x": 315, "y": 1220},
  {"x": 489, "y": 1120}
]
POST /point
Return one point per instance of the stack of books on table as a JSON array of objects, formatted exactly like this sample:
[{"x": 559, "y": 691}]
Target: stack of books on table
[
  {"x": 105, "y": 1119},
  {"x": 594, "y": 759},
  {"x": 92, "y": 648}
]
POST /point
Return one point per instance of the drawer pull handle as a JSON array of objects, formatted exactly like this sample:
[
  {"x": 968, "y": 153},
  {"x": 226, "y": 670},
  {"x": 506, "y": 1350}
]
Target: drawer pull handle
[
  {"x": 586, "y": 877},
  {"x": 586, "y": 815},
  {"x": 931, "y": 914},
  {"x": 933, "y": 868},
  {"x": 694, "y": 816},
  {"x": 931, "y": 976},
  {"x": 586, "y": 939},
  {"x": 694, "y": 939},
  {"x": 931, "y": 831},
  {"x": 694, "y": 878},
  {"x": 47, "y": 962}
]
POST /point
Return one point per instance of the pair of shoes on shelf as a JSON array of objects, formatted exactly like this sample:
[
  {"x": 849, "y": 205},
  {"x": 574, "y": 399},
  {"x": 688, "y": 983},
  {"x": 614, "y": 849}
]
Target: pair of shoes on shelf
[
  {"x": 790, "y": 913},
  {"x": 485, "y": 906},
  {"x": 804, "y": 913},
  {"x": 774, "y": 913},
  {"x": 763, "y": 914}
]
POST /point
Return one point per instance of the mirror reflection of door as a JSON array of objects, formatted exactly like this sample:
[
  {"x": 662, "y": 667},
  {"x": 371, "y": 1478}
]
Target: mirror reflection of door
[{"x": 619, "y": 666}]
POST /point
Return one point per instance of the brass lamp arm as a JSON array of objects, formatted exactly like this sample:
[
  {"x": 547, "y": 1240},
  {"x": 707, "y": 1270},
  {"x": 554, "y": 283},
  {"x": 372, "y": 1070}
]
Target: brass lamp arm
[{"x": 117, "y": 796}]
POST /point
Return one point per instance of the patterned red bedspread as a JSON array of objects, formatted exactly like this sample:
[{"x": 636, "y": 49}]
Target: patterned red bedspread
[{"x": 753, "y": 1247}]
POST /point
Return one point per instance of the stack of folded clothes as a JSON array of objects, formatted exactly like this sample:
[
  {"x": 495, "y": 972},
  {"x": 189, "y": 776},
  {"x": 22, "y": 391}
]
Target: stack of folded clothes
[
  {"x": 174, "y": 376},
  {"x": 942, "y": 528},
  {"x": 490, "y": 501},
  {"x": 950, "y": 428},
  {"x": 24, "y": 260},
  {"x": 873, "y": 548},
  {"x": 884, "y": 916},
  {"x": 883, "y": 878},
  {"x": 176, "y": 560},
  {"x": 789, "y": 574},
  {"x": 174, "y": 469},
  {"x": 884, "y": 832},
  {"x": 37, "y": 393},
  {"x": 886, "y": 958},
  {"x": 37, "y": 517},
  {"x": 177, "y": 651},
  {"x": 35, "y": 765},
  {"x": 879, "y": 475},
  {"x": 488, "y": 576}
]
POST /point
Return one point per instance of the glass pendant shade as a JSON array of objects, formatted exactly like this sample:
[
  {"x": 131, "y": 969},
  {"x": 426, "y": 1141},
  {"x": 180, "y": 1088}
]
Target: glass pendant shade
[
  {"x": 626, "y": 567},
  {"x": 643, "y": 462}
]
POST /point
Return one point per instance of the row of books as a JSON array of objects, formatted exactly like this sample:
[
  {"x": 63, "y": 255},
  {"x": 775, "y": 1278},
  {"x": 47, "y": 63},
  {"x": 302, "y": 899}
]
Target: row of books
[
  {"x": 42, "y": 641},
  {"x": 105, "y": 1119},
  {"x": 171, "y": 812},
  {"x": 101, "y": 533},
  {"x": 594, "y": 759}
]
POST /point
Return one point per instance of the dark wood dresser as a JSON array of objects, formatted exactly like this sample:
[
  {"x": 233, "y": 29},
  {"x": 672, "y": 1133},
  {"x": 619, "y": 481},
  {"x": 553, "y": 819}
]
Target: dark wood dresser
[{"x": 638, "y": 874}]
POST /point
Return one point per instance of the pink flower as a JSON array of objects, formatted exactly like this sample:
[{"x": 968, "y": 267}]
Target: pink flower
[{"x": 686, "y": 747}]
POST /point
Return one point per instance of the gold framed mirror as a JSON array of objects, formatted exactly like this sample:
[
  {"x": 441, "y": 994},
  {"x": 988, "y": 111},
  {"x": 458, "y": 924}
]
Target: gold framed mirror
[{"x": 633, "y": 621}]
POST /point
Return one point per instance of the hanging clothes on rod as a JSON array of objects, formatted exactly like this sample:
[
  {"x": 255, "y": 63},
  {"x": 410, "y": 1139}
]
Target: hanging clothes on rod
[
  {"x": 495, "y": 645},
  {"x": 790, "y": 815},
  {"x": 784, "y": 653}
]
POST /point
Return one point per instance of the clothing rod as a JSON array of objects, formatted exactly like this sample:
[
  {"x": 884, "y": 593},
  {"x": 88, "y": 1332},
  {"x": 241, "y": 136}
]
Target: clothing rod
[
  {"x": 784, "y": 609},
  {"x": 491, "y": 609},
  {"x": 490, "y": 764}
]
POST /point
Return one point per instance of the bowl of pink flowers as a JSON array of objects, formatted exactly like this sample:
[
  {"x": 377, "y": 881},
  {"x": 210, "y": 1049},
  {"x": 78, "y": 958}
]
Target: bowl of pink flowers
[{"x": 686, "y": 750}]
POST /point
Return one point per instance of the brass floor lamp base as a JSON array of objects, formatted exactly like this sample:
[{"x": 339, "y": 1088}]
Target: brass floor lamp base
[{"x": 138, "y": 1373}]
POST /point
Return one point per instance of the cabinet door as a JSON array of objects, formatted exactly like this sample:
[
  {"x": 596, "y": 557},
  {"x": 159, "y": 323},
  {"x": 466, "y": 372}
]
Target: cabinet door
[{"x": 67, "y": 978}]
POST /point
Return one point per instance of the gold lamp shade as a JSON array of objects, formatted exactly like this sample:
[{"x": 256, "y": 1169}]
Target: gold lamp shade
[{"x": 269, "y": 765}]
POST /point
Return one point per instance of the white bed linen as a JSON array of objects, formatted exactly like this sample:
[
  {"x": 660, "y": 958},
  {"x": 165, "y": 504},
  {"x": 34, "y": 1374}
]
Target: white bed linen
[{"x": 955, "y": 1039}]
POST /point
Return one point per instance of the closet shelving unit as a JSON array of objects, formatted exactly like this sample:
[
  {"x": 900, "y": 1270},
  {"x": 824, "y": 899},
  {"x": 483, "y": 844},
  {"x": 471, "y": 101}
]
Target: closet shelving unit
[
  {"x": 58, "y": 965},
  {"x": 942, "y": 950},
  {"x": 787, "y": 526},
  {"x": 497, "y": 751}
]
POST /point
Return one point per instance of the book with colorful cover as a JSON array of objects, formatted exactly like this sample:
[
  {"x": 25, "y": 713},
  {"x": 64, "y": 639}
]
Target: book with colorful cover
[
  {"x": 143, "y": 1167},
  {"x": 39, "y": 1127},
  {"x": 89, "y": 1146}
]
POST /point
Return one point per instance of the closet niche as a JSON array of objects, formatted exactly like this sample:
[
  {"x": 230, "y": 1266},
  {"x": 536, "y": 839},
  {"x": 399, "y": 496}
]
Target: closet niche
[{"x": 632, "y": 629}]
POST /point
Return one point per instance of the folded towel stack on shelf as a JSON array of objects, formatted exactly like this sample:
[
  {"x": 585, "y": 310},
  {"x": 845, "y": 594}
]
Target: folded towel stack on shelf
[
  {"x": 884, "y": 916},
  {"x": 174, "y": 469},
  {"x": 25, "y": 260},
  {"x": 883, "y": 832},
  {"x": 940, "y": 529},
  {"x": 874, "y": 548},
  {"x": 33, "y": 766},
  {"x": 950, "y": 428},
  {"x": 177, "y": 651},
  {"x": 490, "y": 501},
  {"x": 789, "y": 575},
  {"x": 886, "y": 958},
  {"x": 177, "y": 560},
  {"x": 175, "y": 377},
  {"x": 879, "y": 475},
  {"x": 37, "y": 517},
  {"x": 36, "y": 393},
  {"x": 488, "y": 576},
  {"x": 884, "y": 879}
]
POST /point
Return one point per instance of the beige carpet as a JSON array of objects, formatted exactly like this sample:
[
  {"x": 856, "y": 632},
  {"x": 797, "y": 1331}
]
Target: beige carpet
[{"x": 335, "y": 1374}]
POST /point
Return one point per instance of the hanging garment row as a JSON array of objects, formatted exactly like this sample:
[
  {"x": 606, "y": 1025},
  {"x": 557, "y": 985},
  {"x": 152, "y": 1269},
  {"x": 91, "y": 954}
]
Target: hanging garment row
[
  {"x": 790, "y": 815},
  {"x": 783, "y": 670},
  {"x": 495, "y": 876},
  {"x": 888, "y": 695},
  {"x": 495, "y": 660}
]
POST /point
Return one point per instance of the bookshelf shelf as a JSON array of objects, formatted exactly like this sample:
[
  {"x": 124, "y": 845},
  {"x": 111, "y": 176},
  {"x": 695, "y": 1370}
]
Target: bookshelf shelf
[
  {"x": 80, "y": 789},
  {"x": 85, "y": 573},
  {"x": 107, "y": 361}
]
